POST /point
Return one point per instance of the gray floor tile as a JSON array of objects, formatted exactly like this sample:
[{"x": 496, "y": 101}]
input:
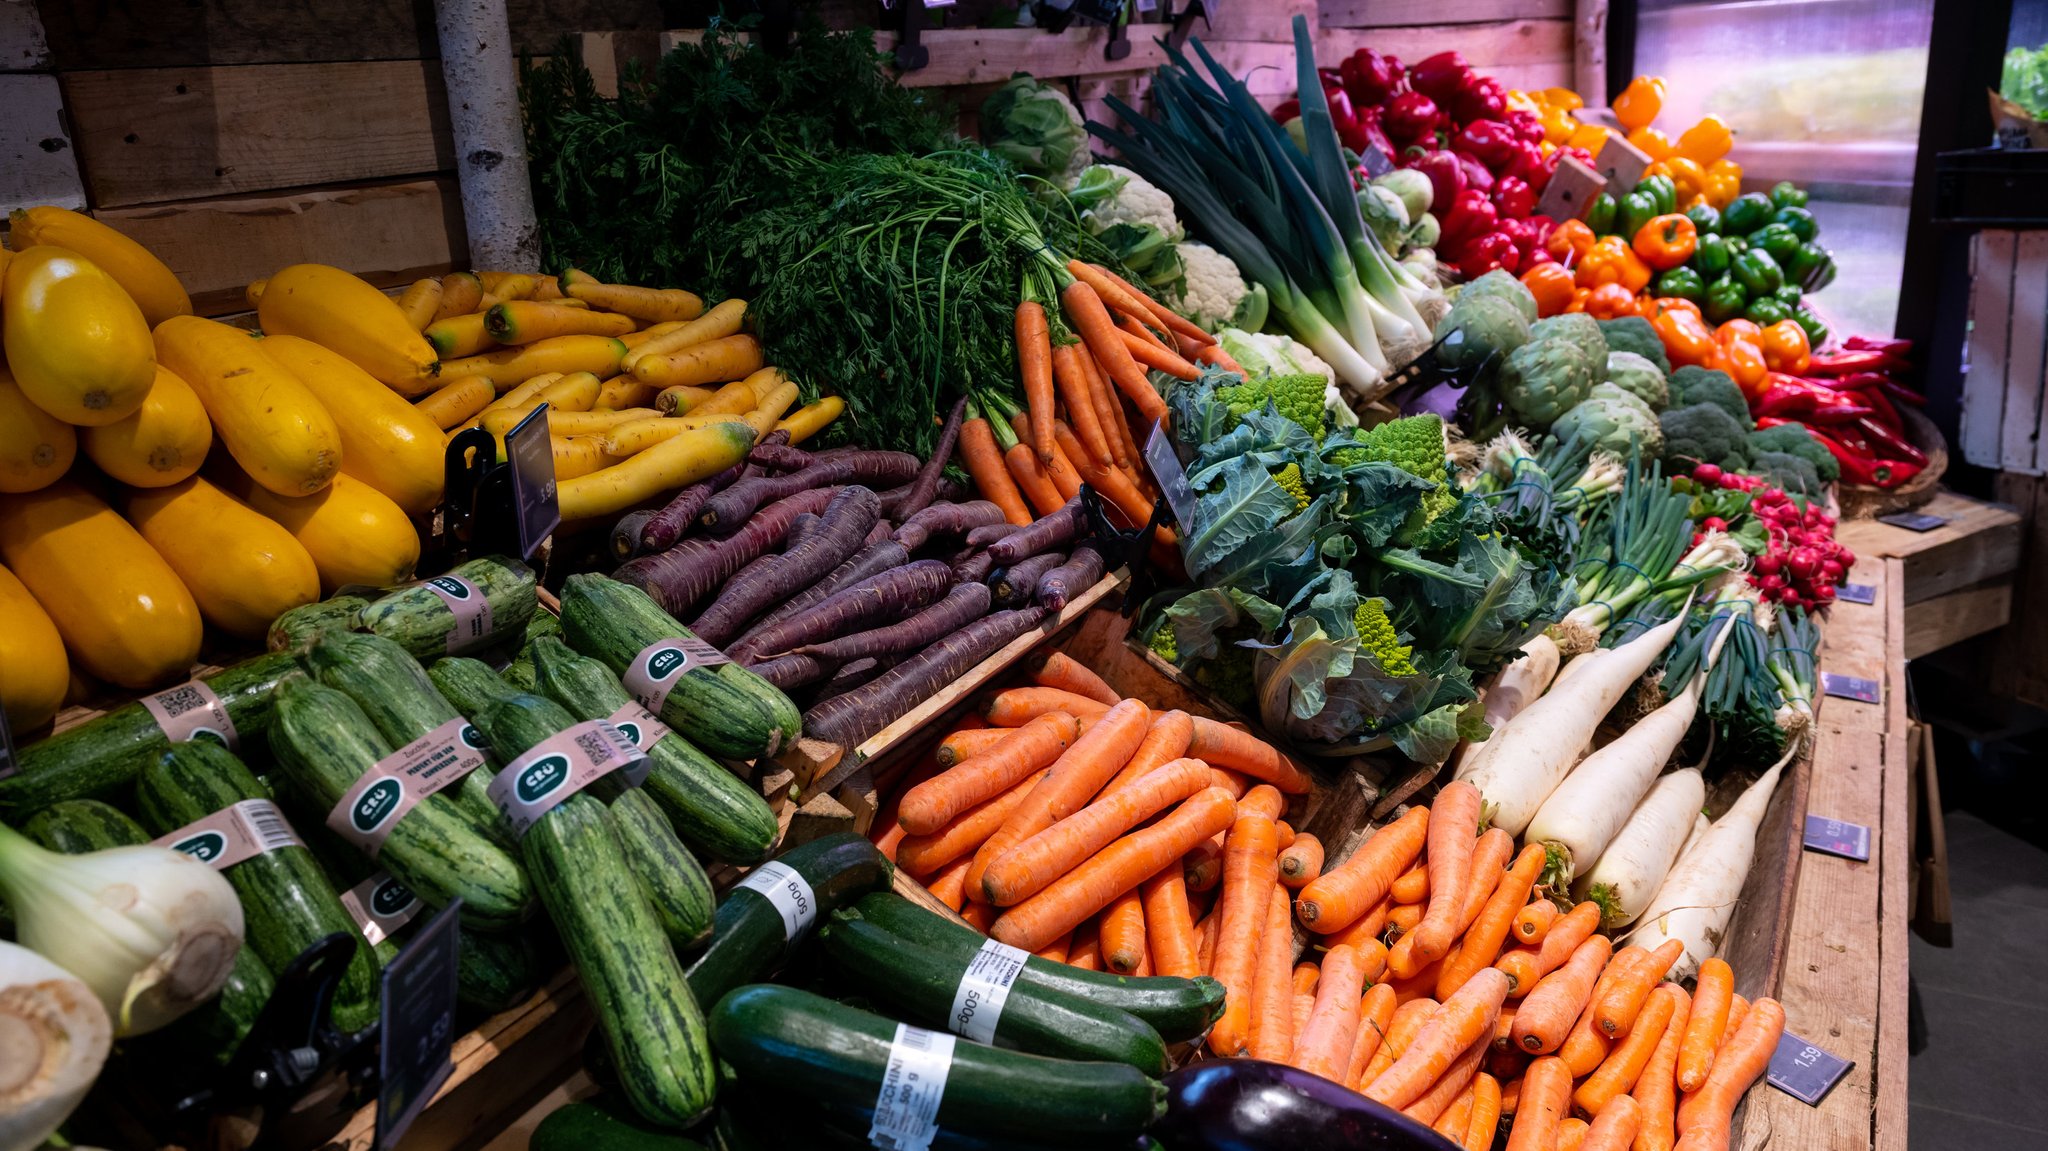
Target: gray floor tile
[
  {"x": 1931, "y": 1128},
  {"x": 1996, "y": 950},
  {"x": 1982, "y": 1057},
  {"x": 1986, "y": 863}
]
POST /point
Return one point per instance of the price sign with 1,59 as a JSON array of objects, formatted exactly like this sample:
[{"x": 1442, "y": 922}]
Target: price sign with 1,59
[{"x": 418, "y": 1024}]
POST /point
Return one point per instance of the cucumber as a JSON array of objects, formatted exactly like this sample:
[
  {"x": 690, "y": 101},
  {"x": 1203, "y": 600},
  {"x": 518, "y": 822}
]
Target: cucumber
[
  {"x": 77, "y": 826},
  {"x": 651, "y": 1023},
  {"x": 297, "y": 627},
  {"x": 711, "y": 808},
  {"x": 324, "y": 743},
  {"x": 838, "y": 1056},
  {"x": 600, "y": 1125},
  {"x": 747, "y": 941},
  {"x": 921, "y": 984},
  {"x": 469, "y": 684},
  {"x": 1179, "y": 1009},
  {"x": 98, "y": 759},
  {"x": 423, "y": 623},
  {"x": 674, "y": 884},
  {"x": 394, "y": 691},
  {"x": 724, "y": 709},
  {"x": 287, "y": 903}
]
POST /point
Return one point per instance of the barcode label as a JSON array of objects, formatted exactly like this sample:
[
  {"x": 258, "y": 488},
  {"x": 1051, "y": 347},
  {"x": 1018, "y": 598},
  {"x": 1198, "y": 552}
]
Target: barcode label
[
  {"x": 372, "y": 806},
  {"x": 236, "y": 832},
  {"x": 782, "y": 885},
  {"x": 984, "y": 988},
  {"x": 559, "y": 767},
  {"x": 192, "y": 711},
  {"x": 907, "y": 1106}
]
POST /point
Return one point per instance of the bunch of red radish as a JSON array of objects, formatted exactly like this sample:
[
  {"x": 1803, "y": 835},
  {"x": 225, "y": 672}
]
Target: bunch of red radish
[{"x": 1801, "y": 562}]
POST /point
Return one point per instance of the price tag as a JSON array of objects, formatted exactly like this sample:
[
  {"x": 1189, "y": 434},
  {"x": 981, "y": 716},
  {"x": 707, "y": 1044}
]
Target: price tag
[
  {"x": 784, "y": 887},
  {"x": 533, "y": 481},
  {"x": 1172, "y": 477},
  {"x": 1804, "y": 1071},
  {"x": 1913, "y": 521},
  {"x": 418, "y": 1024},
  {"x": 1375, "y": 162},
  {"x": 1856, "y": 593},
  {"x": 984, "y": 988},
  {"x": 1837, "y": 837},
  {"x": 8, "y": 764},
  {"x": 1849, "y": 687}
]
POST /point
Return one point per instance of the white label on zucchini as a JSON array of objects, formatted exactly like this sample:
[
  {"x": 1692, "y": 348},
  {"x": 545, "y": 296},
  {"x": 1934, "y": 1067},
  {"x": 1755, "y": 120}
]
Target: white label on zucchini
[
  {"x": 656, "y": 669},
  {"x": 236, "y": 832},
  {"x": 380, "y": 905},
  {"x": 396, "y": 784},
  {"x": 472, "y": 611},
  {"x": 644, "y": 728},
  {"x": 984, "y": 988},
  {"x": 191, "y": 711},
  {"x": 559, "y": 767},
  {"x": 907, "y": 1106},
  {"x": 781, "y": 885}
]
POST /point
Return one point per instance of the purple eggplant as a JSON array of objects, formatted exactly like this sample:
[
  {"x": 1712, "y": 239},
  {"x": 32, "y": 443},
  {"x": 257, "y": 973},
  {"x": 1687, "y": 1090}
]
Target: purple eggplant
[{"x": 1248, "y": 1105}]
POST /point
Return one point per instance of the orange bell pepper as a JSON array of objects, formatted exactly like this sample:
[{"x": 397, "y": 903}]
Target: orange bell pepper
[
  {"x": 1640, "y": 102},
  {"x": 1744, "y": 362},
  {"x": 1569, "y": 241},
  {"x": 1610, "y": 301},
  {"x": 1706, "y": 141},
  {"x": 1666, "y": 241},
  {"x": 1591, "y": 137},
  {"x": 1786, "y": 348},
  {"x": 1651, "y": 142},
  {"x": 1687, "y": 339},
  {"x": 1682, "y": 304},
  {"x": 1610, "y": 261},
  {"x": 1558, "y": 123},
  {"x": 1738, "y": 329},
  {"x": 1551, "y": 285},
  {"x": 1579, "y": 297},
  {"x": 1564, "y": 98}
]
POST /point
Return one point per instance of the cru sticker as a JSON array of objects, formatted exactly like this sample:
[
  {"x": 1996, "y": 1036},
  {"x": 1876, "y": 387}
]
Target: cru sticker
[
  {"x": 658, "y": 666},
  {"x": 558, "y": 767},
  {"x": 396, "y": 784},
  {"x": 236, "y": 832},
  {"x": 644, "y": 729},
  {"x": 472, "y": 611},
  {"x": 380, "y": 905},
  {"x": 191, "y": 711}
]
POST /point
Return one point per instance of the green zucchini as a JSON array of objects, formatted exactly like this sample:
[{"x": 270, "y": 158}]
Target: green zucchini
[
  {"x": 77, "y": 826},
  {"x": 748, "y": 941},
  {"x": 297, "y": 627},
  {"x": 287, "y": 903},
  {"x": 495, "y": 972},
  {"x": 651, "y": 1023},
  {"x": 98, "y": 759},
  {"x": 519, "y": 673},
  {"x": 393, "y": 690},
  {"x": 423, "y": 623},
  {"x": 1179, "y": 1009},
  {"x": 837, "y": 1056},
  {"x": 711, "y": 808},
  {"x": 600, "y": 1125},
  {"x": 761, "y": 1118},
  {"x": 674, "y": 884},
  {"x": 469, "y": 684},
  {"x": 724, "y": 708},
  {"x": 921, "y": 984},
  {"x": 324, "y": 743}
]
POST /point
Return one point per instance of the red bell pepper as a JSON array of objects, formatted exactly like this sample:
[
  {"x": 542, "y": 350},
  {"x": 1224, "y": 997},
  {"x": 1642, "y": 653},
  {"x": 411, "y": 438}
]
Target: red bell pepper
[
  {"x": 1529, "y": 164},
  {"x": 1526, "y": 126},
  {"x": 1512, "y": 196},
  {"x": 1483, "y": 98},
  {"x": 1440, "y": 77},
  {"x": 1371, "y": 77},
  {"x": 1490, "y": 142},
  {"x": 1477, "y": 175},
  {"x": 1412, "y": 117},
  {"x": 1493, "y": 250},
  {"x": 1446, "y": 176},
  {"x": 1470, "y": 216},
  {"x": 1375, "y": 136}
]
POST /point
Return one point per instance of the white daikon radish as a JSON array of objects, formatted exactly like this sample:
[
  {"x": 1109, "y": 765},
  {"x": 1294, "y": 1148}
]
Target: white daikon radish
[
  {"x": 1700, "y": 824},
  {"x": 1577, "y": 664},
  {"x": 1513, "y": 689},
  {"x": 1526, "y": 760},
  {"x": 1699, "y": 895},
  {"x": 1629, "y": 872},
  {"x": 54, "y": 1037}
]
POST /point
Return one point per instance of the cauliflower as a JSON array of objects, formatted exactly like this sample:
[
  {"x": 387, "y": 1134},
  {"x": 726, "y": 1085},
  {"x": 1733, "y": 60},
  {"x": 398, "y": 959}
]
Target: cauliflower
[
  {"x": 1108, "y": 194},
  {"x": 1264, "y": 353},
  {"x": 1036, "y": 127},
  {"x": 1212, "y": 290},
  {"x": 1376, "y": 634}
]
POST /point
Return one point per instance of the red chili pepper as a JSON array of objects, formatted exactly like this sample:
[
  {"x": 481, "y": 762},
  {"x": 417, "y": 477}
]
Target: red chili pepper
[
  {"x": 1842, "y": 363},
  {"x": 1899, "y": 391},
  {"x": 1895, "y": 445},
  {"x": 1859, "y": 467},
  {"x": 1809, "y": 401},
  {"x": 1888, "y": 347},
  {"x": 1881, "y": 409}
]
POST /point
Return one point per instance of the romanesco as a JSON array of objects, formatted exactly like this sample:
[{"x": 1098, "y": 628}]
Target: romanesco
[
  {"x": 1299, "y": 397},
  {"x": 1376, "y": 634},
  {"x": 1163, "y": 643},
  {"x": 1289, "y": 479},
  {"x": 1417, "y": 445},
  {"x": 1230, "y": 675}
]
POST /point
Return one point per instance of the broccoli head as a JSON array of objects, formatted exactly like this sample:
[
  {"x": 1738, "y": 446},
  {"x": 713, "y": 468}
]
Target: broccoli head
[
  {"x": 1692, "y": 384},
  {"x": 1419, "y": 446},
  {"x": 1377, "y": 635},
  {"x": 1289, "y": 479},
  {"x": 1794, "y": 439},
  {"x": 1634, "y": 334},
  {"x": 1230, "y": 676},
  {"x": 1795, "y": 475},
  {"x": 1298, "y": 397},
  {"x": 1703, "y": 434}
]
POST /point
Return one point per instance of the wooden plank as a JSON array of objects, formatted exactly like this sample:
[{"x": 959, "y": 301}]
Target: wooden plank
[
  {"x": 38, "y": 164},
  {"x": 1398, "y": 13},
  {"x": 2025, "y": 358},
  {"x": 155, "y": 134},
  {"x": 1264, "y": 20},
  {"x": 1894, "y": 851},
  {"x": 1950, "y": 619},
  {"x": 1589, "y": 48},
  {"x": 1981, "y": 541},
  {"x": 2021, "y": 659},
  {"x": 1487, "y": 47},
  {"x": 989, "y": 55},
  {"x": 1983, "y": 401},
  {"x": 23, "y": 47},
  {"x": 389, "y": 234}
]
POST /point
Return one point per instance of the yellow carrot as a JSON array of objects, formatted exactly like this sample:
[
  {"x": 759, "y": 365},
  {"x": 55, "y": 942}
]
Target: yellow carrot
[
  {"x": 598, "y": 355},
  {"x": 764, "y": 417},
  {"x": 624, "y": 391},
  {"x": 736, "y": 398},
  {"x": 711, "y": 362},
  {"x": 721, "y": 321},
  {"x": 627, "y": 300},
  {"x": 579, "y": 456},
  {"x": 456, "y": 401},
  {"x": 460, "y": 292},
  {"x": 634, "y": 341},
  {"x": 459, "y": 336},
  {"x": 683, "y": 398},
  {"x": 525, "y": 321},
  {"x": 684, "y": 459},
  {"x": 638, "y": 435},
  {"x": 809, "y": 420},
  {"x": 420, "y": 301}
]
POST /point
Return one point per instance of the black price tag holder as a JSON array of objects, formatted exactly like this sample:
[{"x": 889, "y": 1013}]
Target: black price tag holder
[
  {"x": 418, "y": 1024},
  {"x": 1849, "y": 687},
  {"x": 1913, "y": 521},
  {"x": 495, "y": 508}
]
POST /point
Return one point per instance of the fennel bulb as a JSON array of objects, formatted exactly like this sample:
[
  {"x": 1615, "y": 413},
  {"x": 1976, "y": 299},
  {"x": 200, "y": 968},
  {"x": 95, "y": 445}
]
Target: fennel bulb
[
  {"x": 54, "y": 1037},
  {"x": 151, "y": 931}
]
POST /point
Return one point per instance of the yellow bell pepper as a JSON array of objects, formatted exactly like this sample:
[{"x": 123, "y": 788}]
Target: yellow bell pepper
[
  {"x": 1564, "y": 98},
  {"x": 1590, "y": 137},
  {"x": 1639, "y": 103},
  {"x": 1706, "y": 141},
  {"x": 1653, "y": 143},
  {"x": 1520, "y": 101},
  {"x": 1558, "y": 123},
  {"x": 1688, "y": 178},
  {"x": 1724, "y": 183}
]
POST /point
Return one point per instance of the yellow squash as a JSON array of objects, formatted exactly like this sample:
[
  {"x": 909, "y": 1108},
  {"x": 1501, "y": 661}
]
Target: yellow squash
[
  {"x": 147, "y": 280},
  {"x": 243, "y": 568},
  {"x": 269, "y": 420},
  {"x": 33, "y": 671},
  {"x": 385, "y": 441},
  {"x": 354, "y": 533},
  {"x": 346, "y": 314},
  {"x": 36, "y": 448},
  {"x": 76, "y": 342},
  {"x": 163, "y": 442},
  {"x": 125, "y": 616}
]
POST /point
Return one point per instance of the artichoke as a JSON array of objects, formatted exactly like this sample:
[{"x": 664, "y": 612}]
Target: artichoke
[
  {"x": 1580, "y": 329},
  {"x": 1544, "y": 379},
  {"x": 1640, "y": 378}
]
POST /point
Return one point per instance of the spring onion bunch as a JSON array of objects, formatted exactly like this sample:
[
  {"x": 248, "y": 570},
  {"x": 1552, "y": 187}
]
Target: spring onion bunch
[{"x": 1636, "y": 547}]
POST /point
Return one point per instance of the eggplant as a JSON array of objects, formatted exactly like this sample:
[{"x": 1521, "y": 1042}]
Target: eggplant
[{"x": 1250, "y": 1105}]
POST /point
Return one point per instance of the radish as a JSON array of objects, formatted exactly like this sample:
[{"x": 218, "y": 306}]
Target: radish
[
  {"x": 1699, "y": 895},
  {"x": 1635, "y": 863},
  {"x": 1514, "y": 687},
  {"x": 1700, "y": 824},
  {"x": 1526, "y": 760}
]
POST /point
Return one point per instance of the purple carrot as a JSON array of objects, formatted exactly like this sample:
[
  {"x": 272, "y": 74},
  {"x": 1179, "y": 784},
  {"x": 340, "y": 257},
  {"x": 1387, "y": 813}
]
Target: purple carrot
[
  {"x": 975, "y": 568},
  {"x": 800, "y": 529},
  {"x": 963, "y": 605},
  {"x": 890, "y": 595},
  {"x": 666, "y": 526},
  {"x": 851, "y": 676},
  {"x": 1056, "y": 530},
  {"x": 878, "y": 554},
  {"x": 781, "y": 457},
  {"x": 847, "y": 519},
  {"x": 987, "y": 534},
  {"x": 684, "y": 574},
  {"x": 926, "y": 489},
  {"x": 627, "y": 533},
  {"x": 947, "y": 519},
  {"x": 851, "y": 718},
  {"x": 790, "y": 672},
  {"x": 1017, "y": 584},
  {"x": 1082, "y": 571},
  {"x": 726, "y": 511}
]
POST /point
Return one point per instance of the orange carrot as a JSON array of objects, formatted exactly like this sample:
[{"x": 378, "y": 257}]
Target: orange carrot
[
  {"x": 1615, "y": 1127},
  {"x": 1018, "y": 706},
  {"x": 1451, "y": 1084},
  {"x": 1546, "y": 1092},
  {"x": 1302, "y": 861},
  {"x": 1585, "y": 1048},
  {"x": 1122, "y": 932},
  {"x": 1571, "y": 1134},
  {"x": 1060, "y": 670},
  {"x": 1085, "y": 952},
  {"x": 1139, "y": 328},
  {"x": 1108, "y": 412},
  {"x": 1375, "y": 1016},
  {"x": 947, "y": 886},
  {"x": 1076, "y": 392},
  {"x": 1526, "y": 966},
  {"x": 1408, "y": 1021},
  {"x": 1214, "y": 354},
  {"x": 1416, "y": 986},
  {"x": 1204, "y": 867},
  {"x": 921, "y": 855},
  {"x": 1485, "y": 1113},
  {"x": 1120, "y": 426},
  {"x": 887, "y": 833},
  {"x": 1456, "y": 1119},
  {"x": 1273, "y": 983},
  {"x": 1362, "y": 932},
  {"x": 1624, "y": 1065},
  {"x": 1091, "y": 320},
  {"x": 969, "y": 742},
  {"x": 1533, "y": 922},
  {"x": 932, "y": 804},
  {"x": 1169, "y": 928},
  {"x": 1372, "y": 957},
  {"x": 1705, "y": 1115},
  {"x": 1343, "y": 894},
  {"x": 1511, "y": 1093},
  {"x": 1737, "y": 1008},
  {"x": 1144, "y": 968},
  {"x": 1412, "y": 886},
  {"x": 1205, "y": 943},
  {"x": 1026, "y": 869},
  {"x": 1453, "y": 828},
  {"x": 1617, "y": 1009},
  {"x": 1034, "y": 365},
  {"x": 1711, "y": 995},
  {"x": 1058, "y": 469},
  {"x": 984, "y": 462},
  {"x": 1076, "y": 776},
  {"x": 1250, "y": 870},
  {"x": 979, "y": 916},
  {"x": 1465, "y": 1020},
  {"x": 1153, "y": 354},
  {"x": 1112, "y": 484},
  {"x": 1490, "y": 855},
  {"x": 1482, "y": 942},
  {"x": 1656, "y": 1089},
  {"x": 1165, "y": 741},
  {"x": 1325, "y": 1046},
  {"x": 1125, "y": 297},
  {"x": 1032, "y": 479},
  {"x": 1056, "y": 951},
  {"x": 1221, "y": 745},
  {"x": 1546, "y": 1016},
  {"x": 1403, "y": 918},
  {"x": 1264, "y": 799},
  {"x": 1306, "y": 976}
]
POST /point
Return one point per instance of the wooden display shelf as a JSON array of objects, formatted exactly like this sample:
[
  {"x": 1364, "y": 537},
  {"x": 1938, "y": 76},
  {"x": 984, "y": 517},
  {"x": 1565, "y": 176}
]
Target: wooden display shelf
[{"x": 1958, "y": 578}]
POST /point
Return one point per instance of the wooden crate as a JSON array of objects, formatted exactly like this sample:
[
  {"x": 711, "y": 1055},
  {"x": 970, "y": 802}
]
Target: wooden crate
[
  {"x": 2006, "y": 364},
  {"x": 1958, "y": 578}
]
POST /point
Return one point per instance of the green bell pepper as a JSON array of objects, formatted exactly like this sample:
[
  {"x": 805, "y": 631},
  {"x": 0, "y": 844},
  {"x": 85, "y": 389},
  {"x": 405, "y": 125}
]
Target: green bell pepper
[
  {"x": 1789, "y": 295},
  {"x": 1786, "y": 194},
  {"x": 1804, "y": 262},
  {"x": 1777, "y": 239},
  {"x": 1637, "y": 208},
  {"x": 1706, "y": 219},
  {"x": 1822, "y": 275},
  {"x": 1758, "y": 274},
  {"x": 1600, "y": 214},
  {"x": 1683, "y": 283},
  {"x": 1665, "y": 192},
  {"x": 1712, "y": 257},
  {"x": 1736, "y": 245},
  {"x": 1745, "y": 214},
  {"x": 1725, "y": 300},
  {"x": 1765, "y": 311},
  {"x": 1799, "y": 220},
  {"x": 1816, "y": 331}
]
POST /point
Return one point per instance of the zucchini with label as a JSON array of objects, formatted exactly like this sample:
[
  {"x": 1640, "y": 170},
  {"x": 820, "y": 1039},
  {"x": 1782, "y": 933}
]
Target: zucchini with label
[
  {"x": 422, "y": 622},
  {"x": 652, "y": 1025},
  {"x": 1180, "y": 1009},
  {"x": 601, "y": 1125},
  {"x": 287, "y": 903},
  {"x": 711, "y": 808},
  {"x": 468, "y": 684},
  {"x": 670, "y": 878},
  {"x": 324, "y": 743},
  {"x": 100, "y": 757},
  {"x": 293, "y": 630},
  {"x": 923, "y": 985},
  {"x": 838, "y": 1056},
  {"x": 748, "y": 942},
  {"x": 724, "y": 708},
  {"x": 519, "y": 673}
]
